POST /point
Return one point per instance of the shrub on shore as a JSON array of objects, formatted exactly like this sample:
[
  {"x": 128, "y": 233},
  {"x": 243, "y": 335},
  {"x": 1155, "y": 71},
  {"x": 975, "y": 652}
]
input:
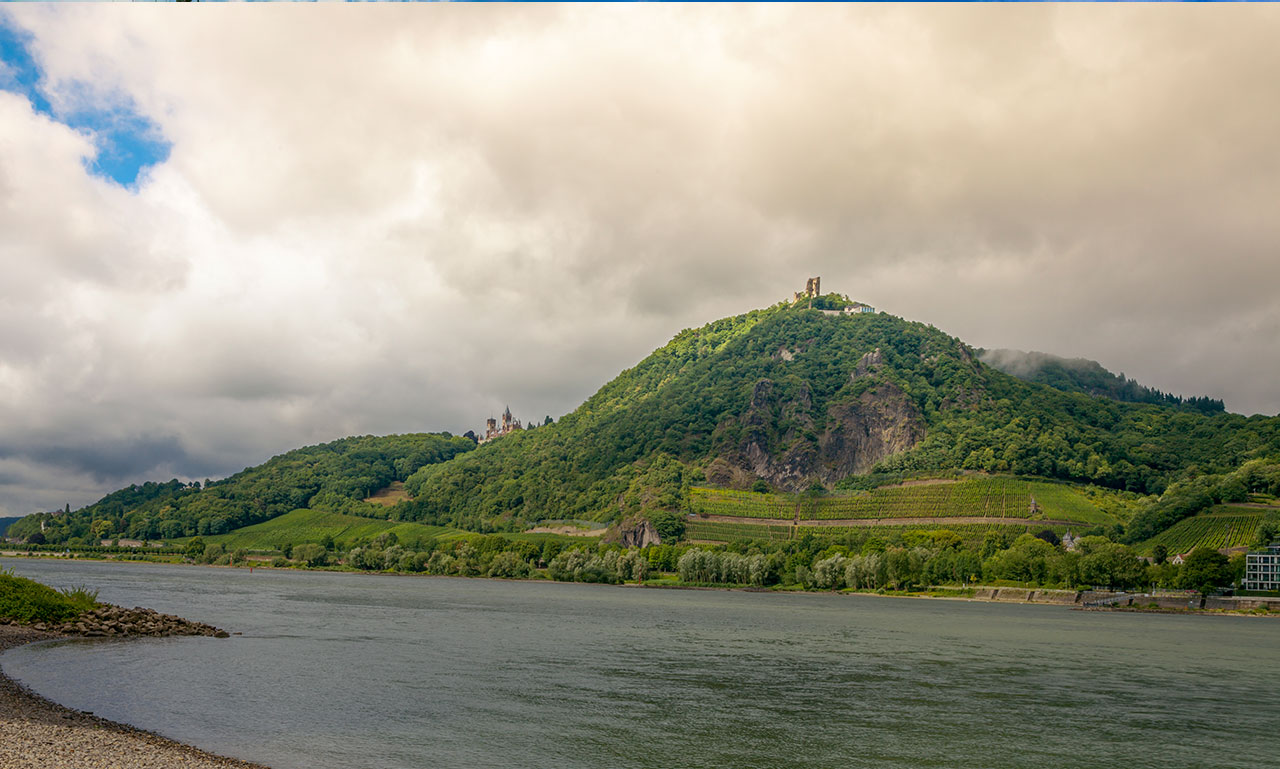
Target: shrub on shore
[{"x": 27, "y": 601}]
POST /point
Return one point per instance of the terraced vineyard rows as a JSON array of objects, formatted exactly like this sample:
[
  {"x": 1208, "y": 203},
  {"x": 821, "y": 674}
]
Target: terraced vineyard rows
[
  {"x": 713, "y": 531},
  {"x": 972, "y": 533},
  {"x": 1223, "y": 527},
  {"x": 1000, "y": 496}
]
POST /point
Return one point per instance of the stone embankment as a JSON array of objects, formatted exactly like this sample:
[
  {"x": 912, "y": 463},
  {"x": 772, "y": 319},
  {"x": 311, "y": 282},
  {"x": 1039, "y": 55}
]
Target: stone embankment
[{"x": 107, "y": 621}]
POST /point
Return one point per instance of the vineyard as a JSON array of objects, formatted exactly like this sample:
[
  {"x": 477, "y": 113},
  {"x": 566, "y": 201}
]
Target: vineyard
[
  {"x": 994, "y": 497},
  {"x": 1223, "y": 527},
  {"x": 713, "y": 531}
]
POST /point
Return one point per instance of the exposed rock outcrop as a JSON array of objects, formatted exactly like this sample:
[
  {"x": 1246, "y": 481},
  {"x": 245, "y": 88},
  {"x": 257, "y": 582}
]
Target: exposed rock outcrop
[
  {"x": 882, "y": 422},
  {"x": 638, "y": 534},
  {"x": 780, "y": 441}
]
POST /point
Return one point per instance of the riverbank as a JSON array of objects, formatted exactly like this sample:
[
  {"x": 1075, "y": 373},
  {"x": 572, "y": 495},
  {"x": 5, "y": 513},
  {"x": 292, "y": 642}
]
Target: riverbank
[
  {"x": 39, "y": 734},
  {"x": 1172, "y": 603}
]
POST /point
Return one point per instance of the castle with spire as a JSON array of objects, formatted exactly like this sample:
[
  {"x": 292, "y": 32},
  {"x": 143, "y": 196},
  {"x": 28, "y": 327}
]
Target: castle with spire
[{"x": 493, "y": 430}]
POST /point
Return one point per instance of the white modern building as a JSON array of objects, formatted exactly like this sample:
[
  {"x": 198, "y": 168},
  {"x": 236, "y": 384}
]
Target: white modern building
[{"x": 1262, "y": 569}]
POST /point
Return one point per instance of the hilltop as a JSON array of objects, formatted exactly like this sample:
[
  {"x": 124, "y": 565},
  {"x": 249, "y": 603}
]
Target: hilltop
[{"x": 801, "y": 398}]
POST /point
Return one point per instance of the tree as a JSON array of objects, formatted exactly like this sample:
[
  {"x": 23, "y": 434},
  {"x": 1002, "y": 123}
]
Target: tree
[
  {"x": 1048, "y": 536},
  {"x": 195, "y": 548},
  {"x": 311, "y": 554},
  {"x": 1159, "y": 554},
  {"x": 761, "y": 486},
  {"x": 669, "y": 524},
  {"x": 1204, "y": 570},
  {"x": 1266, "y": 534}
]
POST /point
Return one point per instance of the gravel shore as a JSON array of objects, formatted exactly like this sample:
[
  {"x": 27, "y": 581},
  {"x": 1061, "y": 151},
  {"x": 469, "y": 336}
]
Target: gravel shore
[{"x": 38, "y": 734}]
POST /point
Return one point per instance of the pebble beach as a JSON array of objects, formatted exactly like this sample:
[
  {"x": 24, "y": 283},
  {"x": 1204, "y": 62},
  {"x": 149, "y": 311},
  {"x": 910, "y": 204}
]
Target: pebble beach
[{"x": 38, "y": 734}]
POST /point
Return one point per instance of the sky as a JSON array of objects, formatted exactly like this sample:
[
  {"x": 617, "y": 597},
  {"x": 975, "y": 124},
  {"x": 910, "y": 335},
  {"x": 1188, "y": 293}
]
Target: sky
[{"x": 231, "y": 231}]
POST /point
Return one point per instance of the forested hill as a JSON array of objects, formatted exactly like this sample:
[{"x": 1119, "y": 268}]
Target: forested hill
[
  {"x": 797, "y": 397},
  {"x": 332, "y": 476},
  {"x": 1089, "y": 377}
]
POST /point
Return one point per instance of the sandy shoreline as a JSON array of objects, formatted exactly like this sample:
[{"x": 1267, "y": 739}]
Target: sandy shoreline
[{"x": 39, "y": 734}]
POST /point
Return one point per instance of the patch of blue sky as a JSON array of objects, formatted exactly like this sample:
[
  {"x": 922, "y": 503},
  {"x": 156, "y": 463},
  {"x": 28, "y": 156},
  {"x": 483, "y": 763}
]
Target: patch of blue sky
[{"x": 126, "y": 141}]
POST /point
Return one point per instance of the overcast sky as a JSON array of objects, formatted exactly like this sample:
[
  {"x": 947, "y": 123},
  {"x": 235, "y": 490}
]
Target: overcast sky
[{"x": 231, "y": 231}]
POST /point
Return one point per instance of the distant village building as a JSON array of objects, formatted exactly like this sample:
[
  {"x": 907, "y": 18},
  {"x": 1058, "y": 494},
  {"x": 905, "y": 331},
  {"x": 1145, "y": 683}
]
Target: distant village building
[
  {"x": 493, "y": 430},
  {"x": 1180, "y": 558},
  {"x": 1262, "y": 569},
  {"x": 1070, "y": 541}
]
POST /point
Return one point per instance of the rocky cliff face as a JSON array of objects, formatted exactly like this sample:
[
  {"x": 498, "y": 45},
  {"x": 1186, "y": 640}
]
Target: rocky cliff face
[
  {"x": 638, "y": 534},
  {"x": 781, "y": 442}
]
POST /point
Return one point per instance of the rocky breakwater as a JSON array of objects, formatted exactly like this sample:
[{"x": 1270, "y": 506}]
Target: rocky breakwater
[{"x": 116, "y": 621}]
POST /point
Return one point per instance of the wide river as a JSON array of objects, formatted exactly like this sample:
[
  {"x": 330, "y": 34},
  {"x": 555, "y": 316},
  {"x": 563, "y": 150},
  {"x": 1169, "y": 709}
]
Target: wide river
[{"x": 346, "y": 670}]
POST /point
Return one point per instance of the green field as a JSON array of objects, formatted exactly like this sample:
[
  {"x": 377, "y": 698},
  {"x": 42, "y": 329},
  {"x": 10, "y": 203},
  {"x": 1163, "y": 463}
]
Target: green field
[
  {"x": 1224, "y": 526},
  {"x": 302, "y": 526},
  {"x": 987, "y": 496}
]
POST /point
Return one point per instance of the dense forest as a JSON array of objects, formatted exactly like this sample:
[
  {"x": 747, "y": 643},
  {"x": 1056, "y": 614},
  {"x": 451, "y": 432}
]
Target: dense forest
[
  {"x": 335, "y": 477},
  {"x": 770, "y": 393}
]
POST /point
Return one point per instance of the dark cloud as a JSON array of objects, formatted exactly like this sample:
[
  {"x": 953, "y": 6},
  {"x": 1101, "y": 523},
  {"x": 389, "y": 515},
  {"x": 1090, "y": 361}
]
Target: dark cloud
[{"x": 105, "y": 460}]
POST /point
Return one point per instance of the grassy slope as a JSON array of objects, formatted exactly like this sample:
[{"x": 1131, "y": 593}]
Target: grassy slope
[
  {"x": 301, "y": 526},
  {"x": 305, "y": 525}
]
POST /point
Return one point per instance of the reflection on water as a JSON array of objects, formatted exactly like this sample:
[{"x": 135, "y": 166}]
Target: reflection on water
[{"x": 337, "y": 670}]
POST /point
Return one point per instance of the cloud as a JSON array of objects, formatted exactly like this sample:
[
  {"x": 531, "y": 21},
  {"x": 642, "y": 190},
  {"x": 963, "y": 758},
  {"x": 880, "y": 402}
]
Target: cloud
[{"x": 399, "y": 220}]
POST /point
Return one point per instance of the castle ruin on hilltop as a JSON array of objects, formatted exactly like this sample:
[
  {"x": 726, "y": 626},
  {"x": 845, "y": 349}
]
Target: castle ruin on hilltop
[{"x": 813, "y": 290}]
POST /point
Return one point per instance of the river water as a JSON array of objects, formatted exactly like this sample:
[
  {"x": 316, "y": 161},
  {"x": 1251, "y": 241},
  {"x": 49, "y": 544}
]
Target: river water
[{"x": 348, "y": 670}]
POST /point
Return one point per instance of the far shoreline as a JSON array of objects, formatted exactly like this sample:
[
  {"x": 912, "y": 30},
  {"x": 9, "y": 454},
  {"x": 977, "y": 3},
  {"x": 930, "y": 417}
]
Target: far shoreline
[{"x": 924, "y": 594}]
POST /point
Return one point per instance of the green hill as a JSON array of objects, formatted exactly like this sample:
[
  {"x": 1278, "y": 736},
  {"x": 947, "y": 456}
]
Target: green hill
[
  {"x": 799, "y": 397},
  {"x": 333, "y": 477}
]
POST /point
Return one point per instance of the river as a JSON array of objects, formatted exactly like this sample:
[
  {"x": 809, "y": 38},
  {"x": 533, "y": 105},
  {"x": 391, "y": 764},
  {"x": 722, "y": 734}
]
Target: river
[{"x": 349, "y": 670}]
